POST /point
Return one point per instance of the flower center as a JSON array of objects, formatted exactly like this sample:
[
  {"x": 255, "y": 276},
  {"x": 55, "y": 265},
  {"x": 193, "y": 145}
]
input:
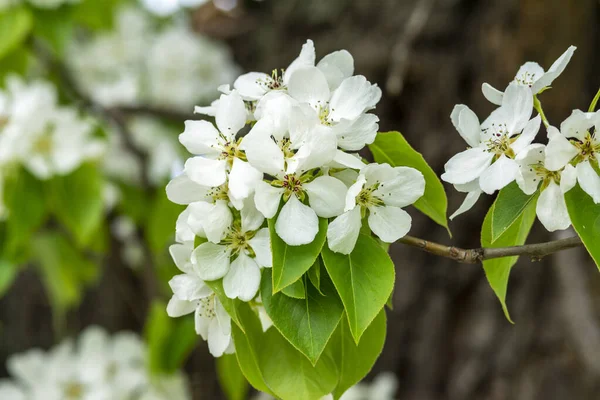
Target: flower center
[
  {"x": 285, "y": 145},
  {"x": 219, "y": 193},
  {"x": 238, "y": 241},
  {"x": 231, "y": 150},
  {"x": 206, "y": 307},
  {"x": 324, "y": 111},
  {"x": 292, "y": 185},
  {"x": 526, "y": 78},
  {"x": 43, "y": 144},
  {"x": 273, "y": 82},
  {"x": 366, "y": 198},
  {"x": 588, "y": 147},
  {"x": 500, "y": 141},
  {"x": 73, "y": 391},
  {"x": 545, "y": 176}
]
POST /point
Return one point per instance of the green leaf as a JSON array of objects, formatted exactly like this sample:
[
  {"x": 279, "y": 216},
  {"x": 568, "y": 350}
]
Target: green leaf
[
  {"x": 77, "y": 201},
  {"x": 64, "y": 269},
  {"x": 230, "y": 305},
  {"x": 364, "y": 280},
  {"x": 509, "y": 205},
  {"x": 163, "y": 215},
  {"x": 232, "y": 381},
  {"x": 295, "y": 290},
  {"x": 497, "y": 270},
  {"x": 392, "y": 148},
  {"x": 355, "y": 361},
  {"x": 96, "y": 15},
  {"x": 291, "y": 262},
  {"x": 306, "y": 323},
  {"x": 170, "y": 341},
  {"x": 314, "y": 274},
  {"x": 8, "y": 273},
  {"x": 54, "y": 27},
  {"x": 585, "y": 217},
  {"x": 272, "y": 364},
  {"x": 24, "y": 199},
  {"x": 15, "y": 24}
]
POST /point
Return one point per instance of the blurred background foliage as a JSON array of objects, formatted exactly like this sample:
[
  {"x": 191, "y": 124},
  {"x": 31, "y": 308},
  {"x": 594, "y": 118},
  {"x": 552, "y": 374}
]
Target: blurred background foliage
[{"x": 90, "y": 247}]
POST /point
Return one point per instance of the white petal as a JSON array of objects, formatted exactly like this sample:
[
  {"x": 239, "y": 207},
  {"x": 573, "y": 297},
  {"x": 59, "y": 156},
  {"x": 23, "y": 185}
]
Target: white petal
[
  {"x": 252, "y": 219},
  {"x": 559, "y": 151},
  {"x": 261, "y": 150},
  {"x": 206, "y": 172},
  {"x": 181, "y": 253},
  {"x": 309, "y": 85},
  {"x": 354, "y": 96},
  {"x": 528, "y": 134},
  {"x": 407, "y": 186},
  {"x": 251, "y": 85},
  {"x": 183, "y": 232},
  {"x": 343, "y": 232},
  {"x": 518, "y": 102},
  {"x": 353, "y": 191},
  {"x": 201, "y": 323},
  {"x": 305, "y": 59},
  {"x": 318, "y": 149},
  {"x": 231, "y": 114},
  {"x": 389, "y": 223},
  {"x": 243, "y": 179},
  {"x": 467, "y": 124},
  {"x": 177, "y": 308},
  {"x": 303, "y": 119},
  {"x": 222, "y": 317},
  {"x": 554, "y": 71},
  {"x": 577, "y": 124},
  {"x": 326, "y": 195},
  {"x": 243, "y": 278},
  {"x": 267, "y": 199},
  {"x": 356, "y": 134},
  {"x": 528, "y": 159},
  {"x": 217, "y": 340},
  {"x": 261, "y": 245},
  {"x": 297, "y": 223},
  {"x": 568, "y": 178},
  {"x": 467, "y": 165},
  {"x": 211, "y": 261},
  {"x": 467, "y": 204},
  {"x": 189, "y": 287},
  {"x": 589, "y": 180},
  {"x": 276, "y": 107},
  {"x": 336, "y": 66},
  {"x": 551, "y": 208},
  {"x": 182, "y": 190},
  {"x": 347, "y": 160},
  {"x": 502, "y": 172},
  {"x": 468, "y": 187},
  {"x": 211, "y": 219},
  {"x": 529, "y": 73},
  {"x": 492, "y": 94},
  {"x": 201, "y": 138}
]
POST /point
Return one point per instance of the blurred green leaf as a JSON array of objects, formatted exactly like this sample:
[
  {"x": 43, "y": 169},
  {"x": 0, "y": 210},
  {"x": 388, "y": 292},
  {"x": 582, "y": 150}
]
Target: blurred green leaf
[
  {"x": 232, "y": 381},
  {"x": 8, "y": 273},
  {"x": 170, "y": 341},
  {"x": 160, "y": 228},
  {"x": 77, "y": 201},
  {"x": 54, "y": 27},
  {"x": 64, "y": 269},
  {"x": 17, "y": 61},
  {"x": 392, "y": 148},
  {"x": 15, "y": 25},
  {"x": 93, "y": 14}
]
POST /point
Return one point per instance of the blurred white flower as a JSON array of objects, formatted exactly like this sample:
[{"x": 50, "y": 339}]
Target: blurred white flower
[
  {"x": 168, "y": 7},
  {"x": 97, "y": 366}
]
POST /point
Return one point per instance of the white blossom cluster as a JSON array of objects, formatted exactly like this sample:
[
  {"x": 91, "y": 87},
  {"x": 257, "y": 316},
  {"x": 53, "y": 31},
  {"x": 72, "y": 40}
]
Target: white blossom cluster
[
  {"x": 297, "y": 163},
  {"x": 4, "y": 4},
  {"x": 36, "y": 132},
  {"x": 134, "y": 64},
  {"x": 95, "y": 367},
  {"x": 501, "y": 149}
]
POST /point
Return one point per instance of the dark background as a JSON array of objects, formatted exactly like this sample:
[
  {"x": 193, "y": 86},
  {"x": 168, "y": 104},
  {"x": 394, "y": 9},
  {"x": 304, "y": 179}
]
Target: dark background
[{"x": 447, "y": 335}]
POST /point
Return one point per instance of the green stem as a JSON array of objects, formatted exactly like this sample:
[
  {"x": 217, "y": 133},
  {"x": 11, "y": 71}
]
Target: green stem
[
  {"x": 538, "y": 107},
  {"x": 594, "y": 102}
]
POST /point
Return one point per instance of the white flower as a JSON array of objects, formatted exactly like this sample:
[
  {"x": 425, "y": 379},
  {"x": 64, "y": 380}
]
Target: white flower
[
  {"x": 238, "y": 257},
  {"x": 218, "y": 151},
  {"x": 490, "y": 158},
  {"x": 343, "y": 110},
  {"x": 551, "y": 208},
  {"x": 532, "y": 75},
  {"x": 191, "y": 294},
  {"x": 254, "y": 85},
  {"x": 290, "y": 162},
  {"x": 168, "y": 7},
  {"x": 383, "y": 387},
  {"x": 381, "y": 190},
  {"x": 578, "y": 142}
]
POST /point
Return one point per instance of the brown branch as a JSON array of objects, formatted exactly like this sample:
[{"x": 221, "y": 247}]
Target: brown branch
[{"x": 473, "y": 256}]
